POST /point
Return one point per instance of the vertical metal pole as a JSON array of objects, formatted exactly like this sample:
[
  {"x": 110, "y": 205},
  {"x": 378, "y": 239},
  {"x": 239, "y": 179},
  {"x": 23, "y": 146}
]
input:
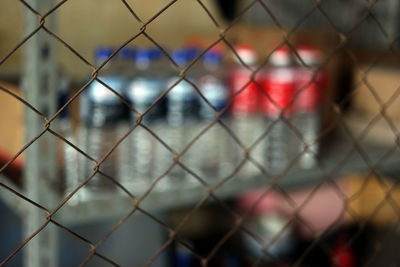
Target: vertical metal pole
[{"x": 40, "y": 177}]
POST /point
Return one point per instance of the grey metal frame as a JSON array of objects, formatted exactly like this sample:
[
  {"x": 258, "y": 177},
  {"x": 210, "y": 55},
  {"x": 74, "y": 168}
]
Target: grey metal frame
[{"x": 40, "y": 173}]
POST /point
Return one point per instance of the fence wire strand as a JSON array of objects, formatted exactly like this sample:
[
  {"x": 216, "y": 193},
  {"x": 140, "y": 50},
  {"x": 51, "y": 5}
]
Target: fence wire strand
[{"x": 211, "y": 194}]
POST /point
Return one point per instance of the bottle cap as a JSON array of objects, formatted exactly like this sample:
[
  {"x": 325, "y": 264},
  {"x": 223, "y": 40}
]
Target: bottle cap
[
  {"x": 281, "y": 56},
  {"x": 192, "y": 52},
  {"x": 102, "y": 53},
  {"x": 142, "y": 55},
  {"x": 155, "y": 53},
  {"x": 212, "y": 57},
  {"x": 246, "y": 53},
  {"x": 311, "y": 55},
  {"x": 180, "y": 56},
  {"x": 126, "y": 53}
]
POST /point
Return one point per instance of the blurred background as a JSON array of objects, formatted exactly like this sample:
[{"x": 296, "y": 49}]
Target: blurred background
[{"x": 299, "y": 137}]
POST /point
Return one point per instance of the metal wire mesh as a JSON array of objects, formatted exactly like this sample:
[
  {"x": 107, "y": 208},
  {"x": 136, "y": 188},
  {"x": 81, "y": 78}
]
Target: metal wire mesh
[{"x": 271, "y": 181}]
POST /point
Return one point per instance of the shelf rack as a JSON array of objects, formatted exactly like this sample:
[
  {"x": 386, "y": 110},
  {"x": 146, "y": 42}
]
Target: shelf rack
[
  {"x": 338, "y": 158},
  {"x": 383, "y": 159}
]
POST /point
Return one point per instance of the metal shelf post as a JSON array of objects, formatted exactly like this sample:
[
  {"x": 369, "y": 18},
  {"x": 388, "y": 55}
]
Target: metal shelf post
[{"x": 40, "y": 174}]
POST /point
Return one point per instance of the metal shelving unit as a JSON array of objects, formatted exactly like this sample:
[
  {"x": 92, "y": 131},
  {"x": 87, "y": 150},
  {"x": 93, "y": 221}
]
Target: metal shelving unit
[
  {"x": 385, "y": 161},
  {"x": 338, "y": 158},
  {"x": 40, "y": 172}
]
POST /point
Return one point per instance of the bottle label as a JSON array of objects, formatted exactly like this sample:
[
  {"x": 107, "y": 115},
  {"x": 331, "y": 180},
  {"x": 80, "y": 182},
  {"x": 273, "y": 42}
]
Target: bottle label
[
  {"x": 279, "y": 84},
  {"x": 182, "y": 103},
  {"x": 142, "y": 92},
  {"x": 215, "y": 91},
  {"x": 246, "y": 101},
  {"x": 309, "y": 94},
  {"x": 100, "y": 106}
]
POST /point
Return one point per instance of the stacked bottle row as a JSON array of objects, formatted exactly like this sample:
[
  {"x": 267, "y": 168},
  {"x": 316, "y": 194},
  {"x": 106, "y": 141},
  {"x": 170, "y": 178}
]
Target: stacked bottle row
[
  {"x": 278, "y": 113},
  {"x": 238, "y": 115}
]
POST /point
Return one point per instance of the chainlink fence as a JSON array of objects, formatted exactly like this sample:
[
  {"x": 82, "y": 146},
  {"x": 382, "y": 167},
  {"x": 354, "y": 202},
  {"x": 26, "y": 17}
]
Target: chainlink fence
[{"x": 49, "y": 207}]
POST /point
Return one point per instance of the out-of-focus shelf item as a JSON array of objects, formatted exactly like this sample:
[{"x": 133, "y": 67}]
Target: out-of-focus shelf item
[
  {"x": 339, "y": 157},
  {"x": 345, "y": 17}
]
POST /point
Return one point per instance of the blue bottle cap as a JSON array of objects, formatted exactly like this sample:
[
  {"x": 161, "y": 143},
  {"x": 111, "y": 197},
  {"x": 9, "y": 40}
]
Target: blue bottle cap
[
  {"x": 155, "y": 53},
  {"x": 127, "y": 53},
  {"x": 180, "y": 56},
  {"x": 212, "y": 57},
  {"x": 142, "y": 55},
  {"x": 102, "y": 53},
  {"x": 192, "y": 52}
]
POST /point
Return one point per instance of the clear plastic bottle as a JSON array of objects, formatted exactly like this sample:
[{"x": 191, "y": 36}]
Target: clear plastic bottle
[
  {"x": 279, "y": 85},
  {"x": 211, "y": 149},
  {"x": 308, "y": 102},
  {"x": 245, "y": 119},
  {"x": 68, "y": 155},
  {"x": 181, "y": 121},
  {"x": 142, "y": 91},
  {"x": 102, "y": 115},
  {"x": 124, "y": 66}
]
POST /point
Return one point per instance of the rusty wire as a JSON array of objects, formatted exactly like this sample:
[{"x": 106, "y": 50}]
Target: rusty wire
[{"x": 239, "y": 219}]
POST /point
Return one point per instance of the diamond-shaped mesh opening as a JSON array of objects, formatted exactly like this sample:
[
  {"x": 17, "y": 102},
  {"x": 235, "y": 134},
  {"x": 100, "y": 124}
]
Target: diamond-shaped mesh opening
[{"x": 185, "y": 163}]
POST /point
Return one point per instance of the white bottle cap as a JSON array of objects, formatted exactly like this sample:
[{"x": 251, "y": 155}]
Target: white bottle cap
[
  {"x": 281, "y": 56},
  {"x": 311, "y": 55},
  {"x": 246, "y": 53}
]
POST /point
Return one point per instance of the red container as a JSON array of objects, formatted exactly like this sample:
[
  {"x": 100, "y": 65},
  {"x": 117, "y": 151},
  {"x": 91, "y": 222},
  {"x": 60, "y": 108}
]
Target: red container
[
  {"x": 279, "y": 84},
  {"x": 245, "y": 102},
  {"x": 310, "y": 90}
]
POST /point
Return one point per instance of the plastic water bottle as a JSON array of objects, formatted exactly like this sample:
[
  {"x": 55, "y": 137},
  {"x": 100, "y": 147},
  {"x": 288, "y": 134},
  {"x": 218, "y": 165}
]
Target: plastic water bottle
[
  {"x": 181, "y": 122},
  {"x": 142, "y": 91},
  {"x": 102, "y": 115},
  {"x": 211, "y": 149},
  {"x": 68, "y": 155},
  {"x": 245, "y": 119},
  {"x": 308, "y": 102},
  {"x": 279, "y": 84}
]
